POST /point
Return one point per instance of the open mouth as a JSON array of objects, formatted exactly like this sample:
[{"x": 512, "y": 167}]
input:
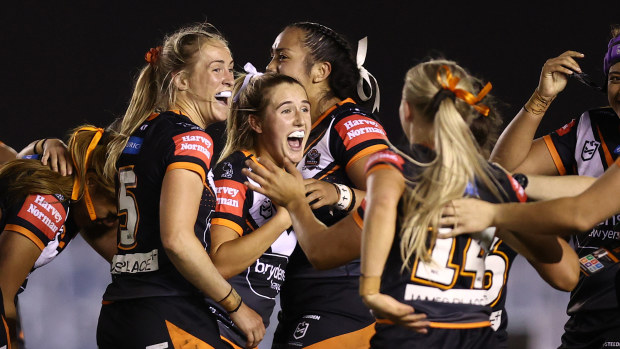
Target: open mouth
[
  {"x": 223, "y": 96},
  {"x": 295, "y": 139}
]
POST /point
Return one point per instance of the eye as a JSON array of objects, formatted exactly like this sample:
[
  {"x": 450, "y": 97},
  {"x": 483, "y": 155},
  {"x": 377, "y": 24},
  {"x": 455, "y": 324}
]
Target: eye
[
  {"x": 282, "y": 56},
  {"x": 305, "y": 109},
  {"x": 217, "y": 70},
  {"x": 285, "y": 111},
  {"x": 614, "y": 79}
]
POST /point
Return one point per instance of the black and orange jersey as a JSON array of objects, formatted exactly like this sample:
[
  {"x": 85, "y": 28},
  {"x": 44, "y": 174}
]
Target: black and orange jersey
[
  {"x": 342, "y": 135},
  {"x": 44, "y": 220},
  {"x": 588, "y": 146},
  {"x": 244, "y": 210},
  {"x": 164, "y": 142},
  {"x": 498, "y": 263},
  {"x": 453, "y": 290}
]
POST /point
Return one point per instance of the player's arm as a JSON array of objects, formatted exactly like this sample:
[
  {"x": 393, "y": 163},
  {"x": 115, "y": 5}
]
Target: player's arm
[
  {"x": 53, "y": 151},
  {"x": 232, "y": 253},
  {"x": 6, "y": 153},
  {"x": 515, "y": 149},
  {"x": 103, "y": 242},
  {"x": 325, "y": 247},
  {"x": 553, "y": 187},
  {"x": 17, "y": 257},
  {"x": 179, "y": 201},
  {"x": 563, "y": 216},
  {"x": 385, "y": 187}
]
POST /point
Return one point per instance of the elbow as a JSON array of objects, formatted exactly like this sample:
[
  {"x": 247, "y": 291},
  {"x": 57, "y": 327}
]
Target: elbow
[{"x": 566, "y": 282}]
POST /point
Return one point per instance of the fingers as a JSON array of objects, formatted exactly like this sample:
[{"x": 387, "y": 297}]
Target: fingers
[{"x": 53, "y": 160}]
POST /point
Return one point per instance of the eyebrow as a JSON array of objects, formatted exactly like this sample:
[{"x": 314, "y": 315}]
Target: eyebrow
[
  {"x": 221, "y": 61},
  {"x": 291, "y": 102}
]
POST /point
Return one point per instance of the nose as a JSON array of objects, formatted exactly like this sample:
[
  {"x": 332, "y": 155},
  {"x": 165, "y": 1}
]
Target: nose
[
  {"x": 229, "y": 78},
  {"x": 272, "y": 67}
]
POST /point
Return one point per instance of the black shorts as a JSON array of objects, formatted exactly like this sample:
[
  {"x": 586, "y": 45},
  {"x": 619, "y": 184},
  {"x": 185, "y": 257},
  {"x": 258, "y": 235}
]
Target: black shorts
[
  {"x": 322, "y": 330},
  {"x": 158, "y": 322},
  {"x": 594, "y": 329},
  {"x": 392, "y": 336},
  {"x": 325, "y": 311}
]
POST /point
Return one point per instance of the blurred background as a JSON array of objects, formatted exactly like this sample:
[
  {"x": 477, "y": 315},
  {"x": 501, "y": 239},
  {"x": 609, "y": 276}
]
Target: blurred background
[{"x": 68, "y": 64}]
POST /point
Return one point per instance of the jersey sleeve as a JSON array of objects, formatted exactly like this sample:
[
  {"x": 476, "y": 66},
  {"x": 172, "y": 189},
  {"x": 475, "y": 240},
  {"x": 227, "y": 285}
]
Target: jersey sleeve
[
  {"x": 357, "y": 136},
  {"x": 39, "y": 218},
  {"x": 561, "y": 145},
  {"x": 384, "y": 159},
  {"x": 190, "y": 150},
  {"x": 230, "y": 210}
]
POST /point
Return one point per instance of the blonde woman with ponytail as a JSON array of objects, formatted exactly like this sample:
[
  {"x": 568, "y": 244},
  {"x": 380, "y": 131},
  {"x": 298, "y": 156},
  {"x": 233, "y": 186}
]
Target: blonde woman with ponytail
[
  {"x": 433, "y": 289},
  {"x": 41, "y": 211},
  {"x": 162, "y": 162}
]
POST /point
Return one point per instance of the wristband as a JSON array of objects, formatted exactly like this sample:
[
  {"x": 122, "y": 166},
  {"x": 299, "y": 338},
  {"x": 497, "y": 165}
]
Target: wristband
[
  {"x": 345, "y": 198},
  {"x": 369, "y": 285},
  {"x": 232, "y": 302},
  {"x": 538, "y": 104},
  {"x": 521, "y": 179}
]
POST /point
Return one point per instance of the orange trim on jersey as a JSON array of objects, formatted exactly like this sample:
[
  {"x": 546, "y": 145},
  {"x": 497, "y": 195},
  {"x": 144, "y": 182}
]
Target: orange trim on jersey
[
  {"x": 152, "y": 116},
  {"x": 6, "y": 330},
  {"x": 330, "y": 172},
  {"x": 385, "y": 322},
  {"x": 235, "y": 346},
  {"x": 557, "y": 160},
  {"x": 182, "y": 339},
  {"x": 328, "y": 111},
  {"x": 460, "y": 326},
  {"x": 380, "y": 167},
  {"x": 358, "y": 219},
  {"x": 252, "y": 157},
  {"x": 190, "y": 166},
  {"x": 27, "y": 233},
  {"x": 104, "y": 302},
  {"x": 608, "y": 157},
  {"x": 229, "y": 224},
  {"x": 355, "y": 339},
  {"x": 366, "y": 151}
]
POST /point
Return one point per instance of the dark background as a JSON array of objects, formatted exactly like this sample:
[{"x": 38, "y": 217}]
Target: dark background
[{"x": 64, "y": 65}]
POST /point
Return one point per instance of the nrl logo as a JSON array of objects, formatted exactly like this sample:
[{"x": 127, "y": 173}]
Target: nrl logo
[
  {"x": 301, "y": 329},
  {"x": 266, "y": 209},
  {"x": 589, "y": 149},
  {"x": 228, "y": 170},
  {"x": 313, "y": 158}
]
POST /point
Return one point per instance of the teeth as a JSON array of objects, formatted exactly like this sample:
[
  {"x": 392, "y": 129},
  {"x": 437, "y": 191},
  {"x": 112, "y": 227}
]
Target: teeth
[
  {"x": 224, "y": 94},
  {"x": 297, "y": 134}
]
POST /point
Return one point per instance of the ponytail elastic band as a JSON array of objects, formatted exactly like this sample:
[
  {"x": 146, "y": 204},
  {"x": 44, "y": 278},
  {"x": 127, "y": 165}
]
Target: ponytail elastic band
[
  {"x": 450, "y": 84},
  {"x": 362, "y": 48},
  {"x": 152, "y": 55},
  {"x": 251, "y": 72}
]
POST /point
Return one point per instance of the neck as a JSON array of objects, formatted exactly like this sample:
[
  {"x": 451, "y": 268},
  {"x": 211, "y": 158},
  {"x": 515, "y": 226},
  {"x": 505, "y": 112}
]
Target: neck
[
  {"x": 263, "y": 154},
  {"x": 192, "y": 112},
  {"x": 322, "y": 105}
]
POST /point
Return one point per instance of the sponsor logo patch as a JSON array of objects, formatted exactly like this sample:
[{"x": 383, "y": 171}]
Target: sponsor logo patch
[
  {"x": 195, "y": 144},
  {"x": 134, "y": 144},
  {"x": 358, "y": 129},
  {"x": 227, "y": 170},
  {"x": 230, "y": 196},
  {"x": 45, "y": 213},
  {"x": 312, "y": 160},
  {"x": 566, "y": 128},
  {"x": 135, "y": 263}
]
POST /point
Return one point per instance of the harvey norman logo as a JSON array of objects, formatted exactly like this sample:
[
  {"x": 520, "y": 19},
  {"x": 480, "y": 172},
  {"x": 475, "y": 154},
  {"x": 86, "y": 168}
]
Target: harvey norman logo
[{"x": 362, "y": 126}]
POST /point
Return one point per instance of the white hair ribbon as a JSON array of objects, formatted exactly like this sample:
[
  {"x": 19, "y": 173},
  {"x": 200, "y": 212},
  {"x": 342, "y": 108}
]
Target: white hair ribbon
[
  {"x": 365, "y": 76},
  {"x": 251, "y": 71}
]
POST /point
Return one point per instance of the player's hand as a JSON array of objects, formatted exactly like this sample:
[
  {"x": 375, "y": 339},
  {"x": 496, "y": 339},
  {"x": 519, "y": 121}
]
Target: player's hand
[
  {"x": 56, "y": 155},
  {"x": 320, "y": 193},
  {"x": 554, "y": 74},
  {"x": 250, "y": 323},
  {"x": 466, "y": 216},
  {"x": 282, "y": 186},
  {"x": 386, "y": 307}
]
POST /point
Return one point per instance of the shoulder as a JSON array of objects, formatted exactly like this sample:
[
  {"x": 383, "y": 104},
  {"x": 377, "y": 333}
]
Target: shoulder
[{"x": 230, "y": 167}]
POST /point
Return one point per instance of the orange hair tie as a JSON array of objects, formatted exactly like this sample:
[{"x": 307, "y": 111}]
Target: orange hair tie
[
  {"x": 450, "y": 84},
  {"x": 152, "y": 55}
]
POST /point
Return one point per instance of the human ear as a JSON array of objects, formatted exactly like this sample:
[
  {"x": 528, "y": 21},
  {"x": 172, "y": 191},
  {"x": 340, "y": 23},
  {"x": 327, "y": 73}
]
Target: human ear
[
  {"x": 320, "y": 71},
  {"x": 181, "y": 81},
  {"x": 255, "y": 123}
]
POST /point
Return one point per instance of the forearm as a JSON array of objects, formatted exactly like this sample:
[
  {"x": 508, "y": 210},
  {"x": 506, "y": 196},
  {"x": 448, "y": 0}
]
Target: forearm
[
  {"x": 234, "y": 256},
  {"x": 515, "y": 142},
  {"x": 553, "y": 187},
  {"x": 35, "y": 147},
  {"x": 189, "y": 257},
  {"x": 564, "y": 274}
]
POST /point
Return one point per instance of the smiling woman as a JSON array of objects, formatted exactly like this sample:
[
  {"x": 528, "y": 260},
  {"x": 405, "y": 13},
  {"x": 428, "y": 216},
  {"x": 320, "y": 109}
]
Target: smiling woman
[
  {"x": 250, "y": 239},
  {"x": 165, "y": 198}
]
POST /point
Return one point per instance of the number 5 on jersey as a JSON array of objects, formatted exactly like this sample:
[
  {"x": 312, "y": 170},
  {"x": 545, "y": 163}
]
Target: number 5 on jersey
[{"x": 127, "y": 208}]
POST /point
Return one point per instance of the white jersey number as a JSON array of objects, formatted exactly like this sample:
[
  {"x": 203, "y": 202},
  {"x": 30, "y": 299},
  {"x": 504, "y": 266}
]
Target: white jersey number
[{"x": 127, "y": 207}]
